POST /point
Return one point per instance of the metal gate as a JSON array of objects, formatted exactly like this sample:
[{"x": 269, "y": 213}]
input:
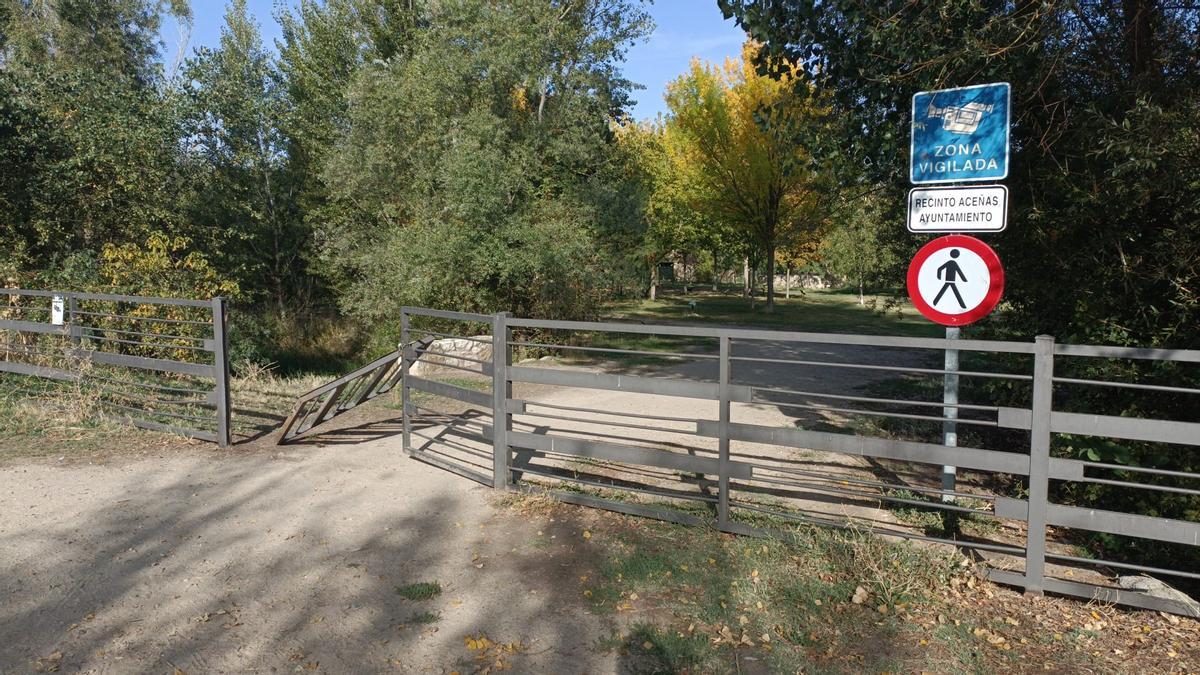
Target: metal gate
[
  {"x": 155, "y": 363},
  {"x": 448, "y": 395},
  {"x": 754, "y": 431}
]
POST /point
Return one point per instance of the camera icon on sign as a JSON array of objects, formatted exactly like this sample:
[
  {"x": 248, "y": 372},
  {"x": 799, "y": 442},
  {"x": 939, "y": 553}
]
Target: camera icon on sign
[{"x": 960, "y": 119}]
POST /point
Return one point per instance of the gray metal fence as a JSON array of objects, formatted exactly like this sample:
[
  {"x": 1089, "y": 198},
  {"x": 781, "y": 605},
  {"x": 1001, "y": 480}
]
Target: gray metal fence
[
  {"x": 341, "y": 395},
  {"x": 749, "y": 431},
  {"x": 155, "y": 363}
]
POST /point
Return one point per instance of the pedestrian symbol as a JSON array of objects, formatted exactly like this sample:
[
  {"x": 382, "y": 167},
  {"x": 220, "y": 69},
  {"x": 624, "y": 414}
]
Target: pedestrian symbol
[
  {"x": 955, "y": 280},
  {"x": 951, "y": 269}
]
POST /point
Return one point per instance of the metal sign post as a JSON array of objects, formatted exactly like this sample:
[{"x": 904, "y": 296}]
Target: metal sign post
[
  {"x": 959, "y": 135},
  {"x": 950, "y": 412}
]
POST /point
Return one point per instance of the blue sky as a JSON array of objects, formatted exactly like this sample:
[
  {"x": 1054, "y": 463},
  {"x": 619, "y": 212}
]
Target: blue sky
[{"x": 685, "y": 28}]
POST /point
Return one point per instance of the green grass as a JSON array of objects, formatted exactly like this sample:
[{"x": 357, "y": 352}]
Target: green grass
[
  {"x": 667, "y": 651},
  {"x": 421, "y": 590},
  {"x": 725, "y": 593},
  {"x": 425, "y": 618}
]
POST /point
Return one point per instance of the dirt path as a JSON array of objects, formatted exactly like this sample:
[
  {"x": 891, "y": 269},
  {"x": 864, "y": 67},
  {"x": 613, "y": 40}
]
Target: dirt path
[{"x": 280, "y": 562}]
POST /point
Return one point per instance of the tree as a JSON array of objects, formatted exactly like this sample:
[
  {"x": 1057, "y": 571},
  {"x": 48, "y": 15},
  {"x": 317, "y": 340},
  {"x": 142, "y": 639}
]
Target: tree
[
  {"x": 324, "y": 45},
  {"x": 859, "y": 246},
  {"x": 672, "y": 223},
  {"x": 731, "y": 131},
  {"x": 88, "y": 130},
  {"x": 235, "y": 111},
  {"x": 1103, "y": 241},
  {"x": 1104, "y": 94},
  {"x": 470, "y": 160}
]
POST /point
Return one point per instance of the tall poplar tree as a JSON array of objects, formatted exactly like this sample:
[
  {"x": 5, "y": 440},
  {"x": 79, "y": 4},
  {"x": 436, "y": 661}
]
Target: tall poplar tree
[{"x": 731, "y": 131}]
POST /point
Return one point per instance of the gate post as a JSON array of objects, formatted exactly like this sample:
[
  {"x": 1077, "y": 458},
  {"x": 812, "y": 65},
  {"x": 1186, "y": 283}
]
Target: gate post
[
  {"x": 75, "y": 331},
  {"x": 405, "y": 414},
  {"x": 501, "y": 392},
  {"x": 1039, "y": 463},
  {"x": 723, "y": 439},
  {"x": 221, "y": 370}
]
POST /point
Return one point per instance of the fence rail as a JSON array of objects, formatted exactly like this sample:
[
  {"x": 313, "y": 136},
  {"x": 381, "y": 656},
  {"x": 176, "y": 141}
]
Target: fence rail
[
  {"x": 154, "y": 363},
  {"x": 687, "y": 439}
]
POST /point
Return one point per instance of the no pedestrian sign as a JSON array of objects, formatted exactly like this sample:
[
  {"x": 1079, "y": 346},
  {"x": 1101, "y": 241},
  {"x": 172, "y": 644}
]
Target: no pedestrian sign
[
  {"x": 981, "y": 208},
  {"x": 960, "y": 134},
  {"x": 955, "y": 280}
]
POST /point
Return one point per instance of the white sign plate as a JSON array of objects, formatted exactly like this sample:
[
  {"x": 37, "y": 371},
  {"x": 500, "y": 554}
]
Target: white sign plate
[
  {"x": 56, "y": 310},
  {"x": 981, "y": 208}
]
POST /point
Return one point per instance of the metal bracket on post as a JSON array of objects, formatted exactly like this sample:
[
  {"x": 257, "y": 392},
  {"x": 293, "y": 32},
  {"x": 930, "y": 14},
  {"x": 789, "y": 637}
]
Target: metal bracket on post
[
  {"x": 405, "y": 359},
  {"x": 723, "y": 447},
  {"x": 501, "y": 392},
  {"x": 1039, "y": 463},
  {"x": 221, "y": 370}
]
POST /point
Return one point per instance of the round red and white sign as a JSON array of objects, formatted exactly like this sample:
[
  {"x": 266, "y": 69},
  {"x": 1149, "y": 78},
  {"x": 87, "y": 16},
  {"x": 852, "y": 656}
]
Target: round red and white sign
[{"x": 955, "y": 280}]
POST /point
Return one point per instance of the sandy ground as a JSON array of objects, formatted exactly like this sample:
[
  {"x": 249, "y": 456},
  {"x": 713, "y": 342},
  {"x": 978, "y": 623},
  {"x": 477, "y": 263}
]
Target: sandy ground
[{"x": 279, "y": 562}]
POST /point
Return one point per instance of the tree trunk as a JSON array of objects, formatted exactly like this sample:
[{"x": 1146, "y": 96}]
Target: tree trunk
[
  {"x": 746, "y": 276},
  {"x": 862, "y": 300},
  {"x": 770, "y": 278},
  {"x": 1140, "y": 17},
  {"x": 787, "y": 282},
  {"x": 654, "y": 281}
]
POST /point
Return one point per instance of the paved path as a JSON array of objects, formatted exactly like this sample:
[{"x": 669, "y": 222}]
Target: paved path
[{"x": 279, "y": 563}]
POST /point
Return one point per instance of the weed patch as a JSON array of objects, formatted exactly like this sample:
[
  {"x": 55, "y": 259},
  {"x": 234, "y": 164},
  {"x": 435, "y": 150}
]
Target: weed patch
[
  {"x": 422, "y": 590},
  {"x": 425, "y": 618}
]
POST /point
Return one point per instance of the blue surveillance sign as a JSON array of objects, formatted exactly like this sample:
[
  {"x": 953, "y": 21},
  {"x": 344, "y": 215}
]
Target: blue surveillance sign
[{"x": 961, "y": 134}]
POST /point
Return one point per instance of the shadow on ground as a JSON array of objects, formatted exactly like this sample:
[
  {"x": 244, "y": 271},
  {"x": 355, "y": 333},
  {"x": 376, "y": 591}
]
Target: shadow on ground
[{"x": 276, "y": 562}]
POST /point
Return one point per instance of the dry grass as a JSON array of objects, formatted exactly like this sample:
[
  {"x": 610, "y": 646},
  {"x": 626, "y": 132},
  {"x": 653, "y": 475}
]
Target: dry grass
[{"x": 691, "y": 600}]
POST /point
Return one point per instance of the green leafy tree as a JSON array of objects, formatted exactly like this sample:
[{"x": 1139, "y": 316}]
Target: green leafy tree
[
  {"x": 323, "y": 45},
  {"x": 88, "y": 129},
  {"x": 1103, "y": 242},
  {"x": 236, "y": 106},
  {"x": 469, "y": 160},
  {"x": 731, "y": 130},
  {"x": 673, "y": 223},
  {"x": 861, "y": 246}
]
